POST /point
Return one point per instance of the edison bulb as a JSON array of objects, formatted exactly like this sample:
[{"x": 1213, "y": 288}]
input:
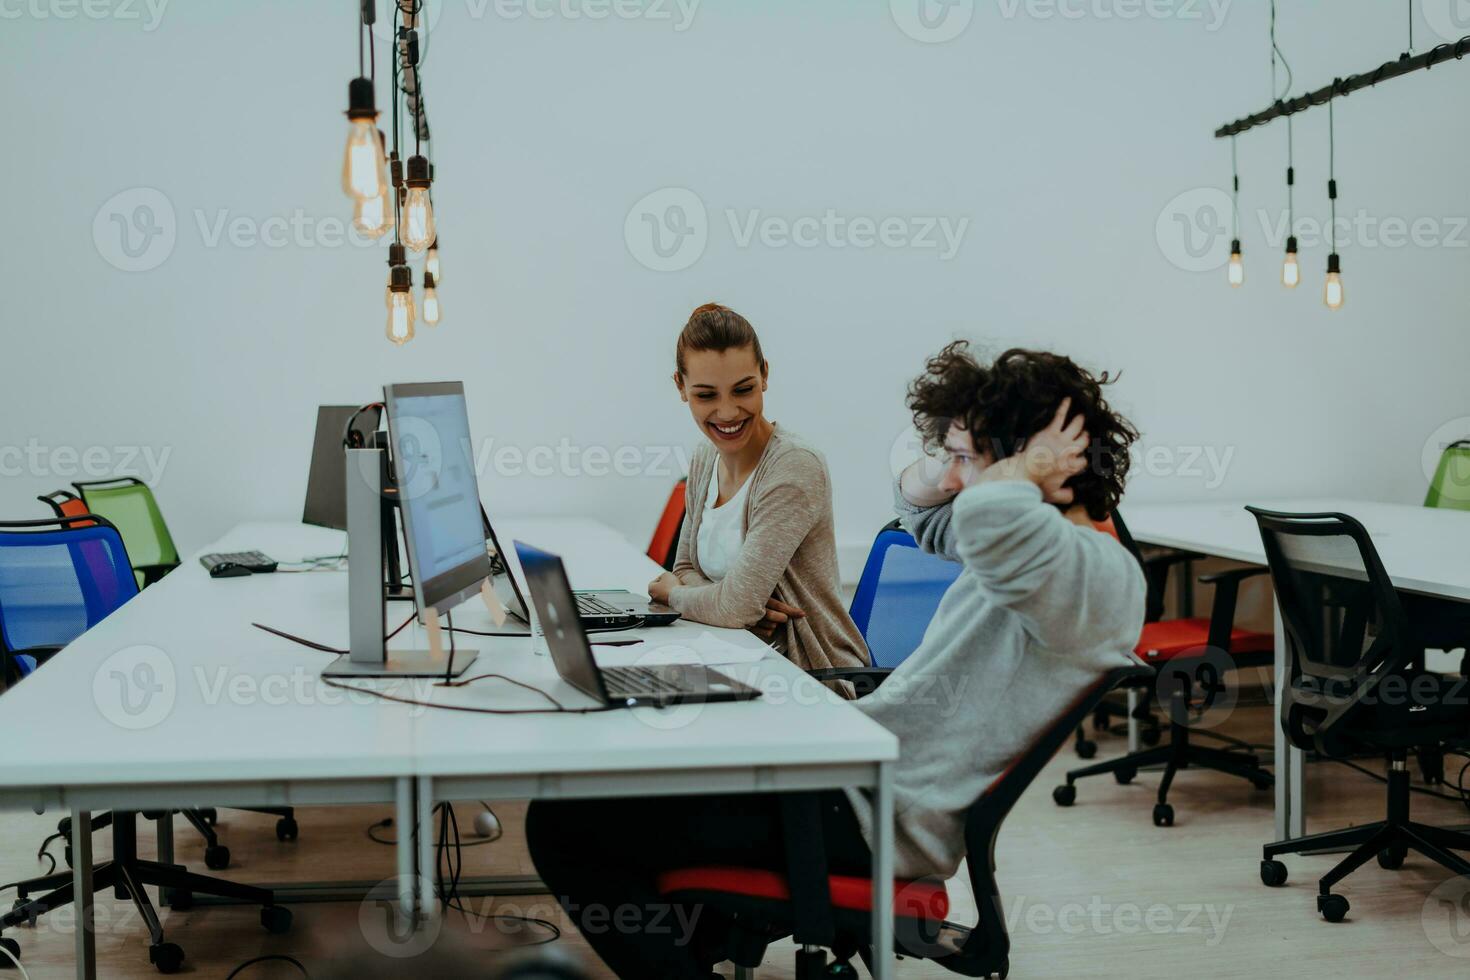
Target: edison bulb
[
  {"x": 1237, "y": 270},
  {"x": 362, "y": 165},
  {"x": 373, "y": 217},
  {"x": 431, "y": 303},
  {"x": 431, "y": 262},
  {"x": 400, "y": 317},
  {"x": 1332, "y": 291},
  {"x": 1291, "y": 273},
  {"x": 418, "y": 219}
]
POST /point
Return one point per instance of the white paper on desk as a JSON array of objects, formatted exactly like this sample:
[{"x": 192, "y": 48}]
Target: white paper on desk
[{"x": 706, "y": 649}]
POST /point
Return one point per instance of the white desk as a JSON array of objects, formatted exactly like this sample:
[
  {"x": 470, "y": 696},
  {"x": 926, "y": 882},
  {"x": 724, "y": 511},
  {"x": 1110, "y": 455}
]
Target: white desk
[
  {"x": 212, "y": 712},
  {"x": 1423, "y": 551}
]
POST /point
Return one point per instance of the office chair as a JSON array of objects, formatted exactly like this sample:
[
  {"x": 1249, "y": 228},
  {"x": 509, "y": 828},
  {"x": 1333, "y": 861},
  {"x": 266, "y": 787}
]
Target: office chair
[
  {"x": 664, "y": 546},
  {"x": 1189, "y": 653},
  {"x": 1354, "y": 683},
  {"x": 58, "y": 578},
  {"x": 128, "y": 503},
  {"x": 897, "y": 594},
  {"x": 1451, "y": 484},
  {"x": 834, "y": 911}
]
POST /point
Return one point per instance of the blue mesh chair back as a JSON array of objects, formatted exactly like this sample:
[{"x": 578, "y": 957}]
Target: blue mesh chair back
[
  {"x": 56, "y": 582},
  {"x": 897, "y": 595}
]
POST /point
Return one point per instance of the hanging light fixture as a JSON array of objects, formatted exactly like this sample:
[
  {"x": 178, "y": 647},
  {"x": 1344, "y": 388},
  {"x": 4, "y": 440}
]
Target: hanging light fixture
[
  {"x": 1332, "y": 293},
  {"x": 431, "y": 260},
  {"x": 362, "y": 164},
  {"x": 418, "y": 210},
  {"x": 431, "y": 300},
  {"x": 1237, "y": 267},
  {"x": 399, "y": 297},
  {"x": 1291, "y": 272},
  {"x": 374, "y": 216}
]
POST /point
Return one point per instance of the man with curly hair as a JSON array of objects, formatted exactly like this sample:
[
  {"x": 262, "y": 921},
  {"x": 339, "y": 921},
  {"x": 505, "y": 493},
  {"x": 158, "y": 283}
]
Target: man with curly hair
[{"x": 1030, "y": 454}]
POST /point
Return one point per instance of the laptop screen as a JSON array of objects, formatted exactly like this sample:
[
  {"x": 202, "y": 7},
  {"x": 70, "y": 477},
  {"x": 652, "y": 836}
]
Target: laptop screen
[{"x": 557, "y": 611}]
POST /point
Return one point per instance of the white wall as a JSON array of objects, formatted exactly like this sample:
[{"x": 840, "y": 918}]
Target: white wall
[{"x": 1060, "y": 139}]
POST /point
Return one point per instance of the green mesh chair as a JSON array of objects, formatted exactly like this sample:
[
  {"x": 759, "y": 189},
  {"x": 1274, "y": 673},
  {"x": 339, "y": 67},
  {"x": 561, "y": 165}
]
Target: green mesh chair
[
  {"x": 128, "y": 503},
  {"x": 1451, "y": 484}
]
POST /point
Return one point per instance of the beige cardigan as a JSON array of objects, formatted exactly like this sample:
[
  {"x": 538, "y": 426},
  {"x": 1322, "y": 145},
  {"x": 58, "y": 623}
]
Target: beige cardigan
[{"x": 789, "y": 552}]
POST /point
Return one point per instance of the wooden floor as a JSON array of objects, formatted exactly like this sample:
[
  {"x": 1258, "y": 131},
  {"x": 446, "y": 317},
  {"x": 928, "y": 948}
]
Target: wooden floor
[{"x": 1094, "y": 890}]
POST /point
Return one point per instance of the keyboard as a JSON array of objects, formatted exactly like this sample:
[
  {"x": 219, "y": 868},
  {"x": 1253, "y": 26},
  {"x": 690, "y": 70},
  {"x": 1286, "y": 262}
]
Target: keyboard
[
  {"x": 230, "y": 564},
  {"x": 589, "y": 605},
  {"x": 632, "y": 681}
]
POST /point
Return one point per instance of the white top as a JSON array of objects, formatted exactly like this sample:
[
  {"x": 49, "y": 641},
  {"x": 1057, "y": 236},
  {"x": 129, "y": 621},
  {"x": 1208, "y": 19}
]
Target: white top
[
  {"x": 1422, "y": 548},
  {"x": 722, "y": 531}
]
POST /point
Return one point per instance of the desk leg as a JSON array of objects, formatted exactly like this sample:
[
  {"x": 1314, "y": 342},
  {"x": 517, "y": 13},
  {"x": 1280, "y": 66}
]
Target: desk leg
[
  {"x": 1291, "y": 814},
  {"x": 883, "y": 859},
  {"x": 403, "y": 825},
  {"x": 81, "y": 883},
  {"x": 428, "y": 906}
]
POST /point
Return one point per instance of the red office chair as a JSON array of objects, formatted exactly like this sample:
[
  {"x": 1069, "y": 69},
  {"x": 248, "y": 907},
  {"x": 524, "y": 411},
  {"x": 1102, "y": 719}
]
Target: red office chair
[
  {"x": 665, "y": 543},
  {"x": 833, "y": 911},
  {"x": 1189, "y": 653},
  {"x": 67, "y": 504}
]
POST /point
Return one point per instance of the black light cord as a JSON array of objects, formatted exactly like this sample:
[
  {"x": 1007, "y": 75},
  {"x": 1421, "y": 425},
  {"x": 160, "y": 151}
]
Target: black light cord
[
  {"x": 1332, "y": 171},
  {"x": 1235, "y": 191},
  {"x": 272, "y": 958}
]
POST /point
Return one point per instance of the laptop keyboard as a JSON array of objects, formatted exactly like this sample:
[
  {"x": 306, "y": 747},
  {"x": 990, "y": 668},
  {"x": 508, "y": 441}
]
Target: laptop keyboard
[
  {"x": 623, "y": 681},
  {"x": 589, "y": 605}
]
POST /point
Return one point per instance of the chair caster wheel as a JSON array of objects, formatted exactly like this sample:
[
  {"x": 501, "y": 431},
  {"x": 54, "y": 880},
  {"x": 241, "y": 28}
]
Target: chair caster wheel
[
  {"x": 1391, "y": 858},
  {"x": 1151, "y": 736},
  {"x": 210, "y": 815},
  {"x": 286, "y": 829},
  {"x": 180, "y": 901},
  {"x": 1124, "y": 776},
  {"x": 167, "y": 957},
  {"x": 13, "y": 948},
  {"x": 1334, "y": 908},
  {"x": 217, "y": 858},
  {"x": 1065, "y": 795},
  {"x": 276, "y": 919},
  {"x": 1163, "y": 815},
  {"x": 1004, "y": 970},
  {"x": 846, "y": 971},
  {"x": 1086, "y": 749},
  {"x": 1273, "y": 874}
]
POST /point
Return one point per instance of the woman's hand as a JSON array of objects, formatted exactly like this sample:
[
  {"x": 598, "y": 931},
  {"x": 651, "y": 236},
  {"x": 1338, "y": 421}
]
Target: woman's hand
[
  {"x": 659, "y": 588},
  {"x": 778, "y": 613},
  {"x": 1048, "y": 459}
]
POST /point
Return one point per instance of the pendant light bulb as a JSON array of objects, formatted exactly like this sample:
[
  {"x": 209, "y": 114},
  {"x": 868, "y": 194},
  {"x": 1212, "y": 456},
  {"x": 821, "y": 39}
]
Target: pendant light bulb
[
  {"x": 401, "y": 313},
  {"x": 362, "y": 164},
  {"x": 1237, "y": 267},
  {"x": 1332, "y": 293},
  {"x": 418, "y": 210},
  {"x": 431, "y": 261},
  {"x": 1291, "y": 271},
  {"x": 431, "y": 301}
]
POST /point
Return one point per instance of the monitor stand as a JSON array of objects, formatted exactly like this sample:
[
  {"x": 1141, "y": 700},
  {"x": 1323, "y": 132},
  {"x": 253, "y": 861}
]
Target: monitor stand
[{"x": 367, "y": 471}]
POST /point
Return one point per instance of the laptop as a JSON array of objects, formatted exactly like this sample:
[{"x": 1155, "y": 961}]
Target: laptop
[
  {"x": 630, "y": 687},
  {"x": 599, "y": 609}
]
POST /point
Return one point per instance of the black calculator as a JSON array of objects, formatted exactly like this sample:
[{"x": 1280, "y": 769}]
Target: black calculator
[{"x": 232, "y": 564}]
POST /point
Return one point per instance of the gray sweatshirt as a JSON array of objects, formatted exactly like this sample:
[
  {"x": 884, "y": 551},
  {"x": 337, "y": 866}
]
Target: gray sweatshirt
[{"x": 1043, "y": 608}]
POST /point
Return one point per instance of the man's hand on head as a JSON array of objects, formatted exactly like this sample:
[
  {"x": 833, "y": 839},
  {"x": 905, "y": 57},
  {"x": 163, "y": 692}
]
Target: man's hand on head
[{"x": 1049, "y": 458}]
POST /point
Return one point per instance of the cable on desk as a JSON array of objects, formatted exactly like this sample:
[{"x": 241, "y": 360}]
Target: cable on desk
[
  {"x": 272, "y": 958},
  {"x": 471, "y": 709},
  {"x": 322, "y": 646}
]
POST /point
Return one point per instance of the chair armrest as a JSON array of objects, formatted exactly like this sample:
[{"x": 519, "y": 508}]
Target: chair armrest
[
  {"x": 1167, "y": 558},
  {"x": 1222, "y": 613},
  {"x": 865, "y": 680}
]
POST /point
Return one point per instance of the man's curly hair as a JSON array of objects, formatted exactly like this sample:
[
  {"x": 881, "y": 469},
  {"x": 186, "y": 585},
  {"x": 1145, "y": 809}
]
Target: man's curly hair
[{"x": 1007, "y": 401}]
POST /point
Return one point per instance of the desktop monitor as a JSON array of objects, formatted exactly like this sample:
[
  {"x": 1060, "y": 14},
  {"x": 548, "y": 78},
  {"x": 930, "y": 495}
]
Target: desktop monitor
[
  {"x": 433, "y": 462},
  {"x": 326, "y": 487}
]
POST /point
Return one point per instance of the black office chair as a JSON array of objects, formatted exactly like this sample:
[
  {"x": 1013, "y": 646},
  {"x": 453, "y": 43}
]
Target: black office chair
[
  {"x": 834, "y": 911},
  {"x": 1355, "y": 683}
]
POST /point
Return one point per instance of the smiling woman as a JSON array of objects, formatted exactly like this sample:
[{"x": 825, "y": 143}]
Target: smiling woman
[{"x": 757, "y": 550}]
